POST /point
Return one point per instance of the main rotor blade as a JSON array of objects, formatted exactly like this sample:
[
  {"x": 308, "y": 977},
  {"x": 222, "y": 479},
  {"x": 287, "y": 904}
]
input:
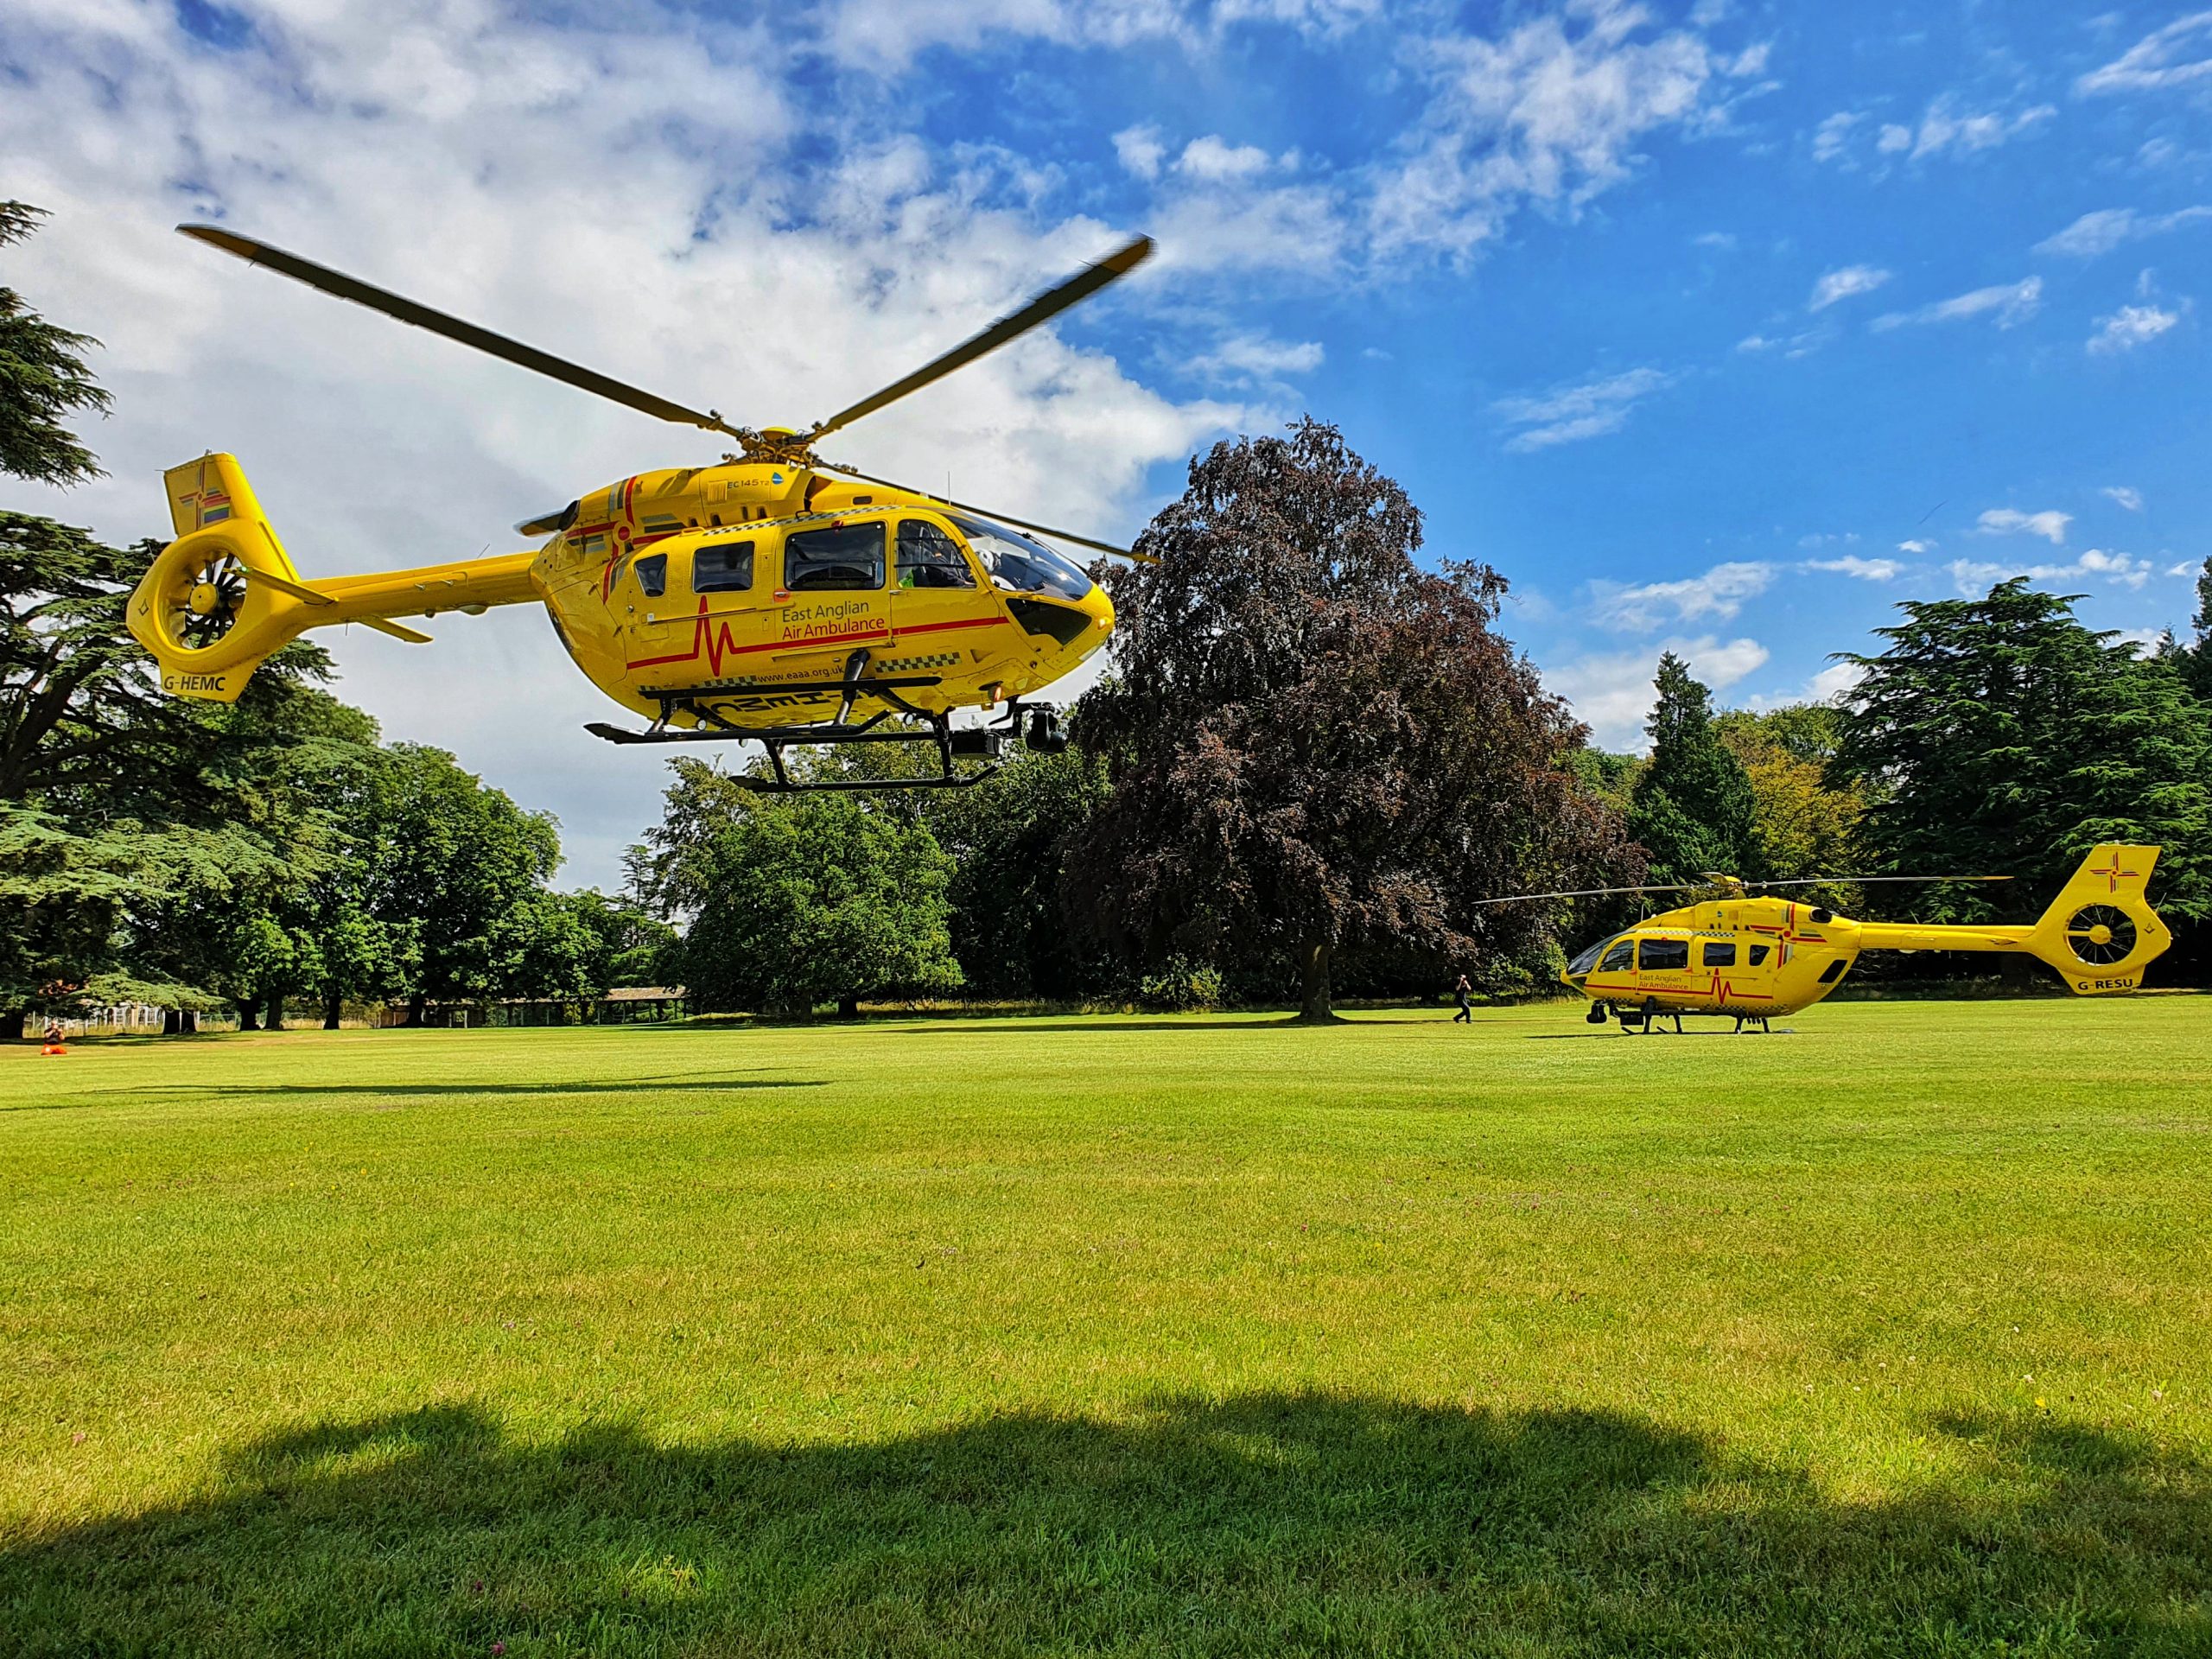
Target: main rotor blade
[
  {"x": 1596, "y": 892},
  {"x": 1043, "y": 308},
  {"x": 987, "y": 512},
  {"x": 1861, "y": 881},
  {"x": 468, "y": 333}
]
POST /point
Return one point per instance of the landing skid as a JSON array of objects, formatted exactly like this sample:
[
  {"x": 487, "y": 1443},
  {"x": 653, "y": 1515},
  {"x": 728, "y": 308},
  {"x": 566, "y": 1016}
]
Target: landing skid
[
  {"x": 1644, "y": 1022},
  {"x": 705, "y": 703}
]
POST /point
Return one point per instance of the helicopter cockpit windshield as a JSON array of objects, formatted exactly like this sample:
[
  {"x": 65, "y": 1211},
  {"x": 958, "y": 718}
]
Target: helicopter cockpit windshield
[
  {"x": 1586, "y": 960},
  {"x": 1020, "y": 564}
]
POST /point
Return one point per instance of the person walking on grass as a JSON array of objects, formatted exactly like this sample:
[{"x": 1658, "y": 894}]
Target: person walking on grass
[{"x": 1463, "y": 991}]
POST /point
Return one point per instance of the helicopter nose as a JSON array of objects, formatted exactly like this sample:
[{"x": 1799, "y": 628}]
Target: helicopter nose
[{"x": 1100, "y": 609}]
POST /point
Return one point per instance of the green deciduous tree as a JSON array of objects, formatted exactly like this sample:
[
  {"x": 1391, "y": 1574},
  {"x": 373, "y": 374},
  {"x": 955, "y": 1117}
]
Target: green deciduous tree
[
  {"x": 2003, "y": 737},
  {"x": 447, "y": 863},
  {"x": 798, "y": 900},
  {"x": 1692, "y": 807},
  {"x": 1804, "y": 823}
]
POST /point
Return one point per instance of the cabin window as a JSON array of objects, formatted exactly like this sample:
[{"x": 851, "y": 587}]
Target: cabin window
[
  {"x": 652, "y": 574},
  {"x": 848, "y": 557},
  {"x": 1663, "y": 956},
  {"x": 1719, "y": 955},
  {"x": 1620, "y": 958},
  {"x": 722, "y": 568},
  {"x": 929, "y": 558},
  {"x": 1758, "y": 955},
  {"x": 1834, "y": 971}
]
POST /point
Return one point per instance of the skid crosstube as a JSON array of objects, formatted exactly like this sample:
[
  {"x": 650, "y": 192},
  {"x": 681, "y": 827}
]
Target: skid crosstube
[{"x": 1041, "y": 731}]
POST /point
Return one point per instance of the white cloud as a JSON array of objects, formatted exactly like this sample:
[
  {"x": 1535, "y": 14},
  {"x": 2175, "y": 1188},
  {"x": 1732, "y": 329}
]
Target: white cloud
[
  {"x": 2108, "y": 227},
  {"x": 2130, "y": 327},
  {"x": 2161, "y": 60},
  {"x": 1865, "y": 569},
  {"x": 2130, "y": 500},
  {"x": 1719, "y": 593},
  {"x": 1588, "y": 409},
  {"x": 1917, "y": 547},
  {"x": 1844, "y": 284},
  {"x": 1832, "y": 137},
  {"x": 1941, "y": 129},
  {"x": 1215, "y": 160},
  {"x": 2009, "y": 304},
  {"x": 2185, "y": 568},
  {"x": 1612, "y": 691},
  {"x": 1825, "y": 686},
  {"x": 451, "y": 151},
  {"x": 1719, "y": 241},
  {"x": 1974, "y": 577},
  {"x": 2148, "y": 642},
  {"x": 1256, "y": 359},
  {"x": 1792, "y": 346},
  {"x": 2010, "y": 521},
  {"x": 1140, "y": 150},
  {"x": 1833, "y": 682},
  {"x": 1550, "y": 112}
]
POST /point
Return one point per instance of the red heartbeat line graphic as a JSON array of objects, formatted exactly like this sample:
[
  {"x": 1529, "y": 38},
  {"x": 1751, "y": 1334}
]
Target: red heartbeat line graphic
[{"x": 715, "y": 644}]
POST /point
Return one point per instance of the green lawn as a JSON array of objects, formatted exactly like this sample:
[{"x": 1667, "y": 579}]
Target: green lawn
[{"x": 1088, "y": 1335}]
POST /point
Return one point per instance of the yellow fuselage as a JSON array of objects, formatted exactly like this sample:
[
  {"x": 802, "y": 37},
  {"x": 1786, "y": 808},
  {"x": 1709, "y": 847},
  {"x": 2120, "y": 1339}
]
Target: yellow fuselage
[
  {"x": 690, "y": 596},
  {"x": 1756, "y": 958}
]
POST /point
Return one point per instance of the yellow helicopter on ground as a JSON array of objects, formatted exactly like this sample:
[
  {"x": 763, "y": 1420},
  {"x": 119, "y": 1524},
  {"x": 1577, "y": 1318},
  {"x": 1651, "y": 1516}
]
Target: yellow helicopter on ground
[
  {"x": 775, "y": 597},
  {"x": 1752, "y": 957}
]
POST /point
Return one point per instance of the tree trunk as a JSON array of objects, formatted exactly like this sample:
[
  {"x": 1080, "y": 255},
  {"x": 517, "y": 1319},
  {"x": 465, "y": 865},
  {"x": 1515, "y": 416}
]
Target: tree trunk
[
  {"x": 11, "y": 1022},
  {"x": 172, "y": 1022},
  {"x": 849, "y": 1008},
  {"x": 415, "y": 1008},
  {"x": 1313, "y": 980},
  {"x": 332, "y": 1006},
  {"x": 248, "y": 1014},
  {"x": 272, "y": 1012}
]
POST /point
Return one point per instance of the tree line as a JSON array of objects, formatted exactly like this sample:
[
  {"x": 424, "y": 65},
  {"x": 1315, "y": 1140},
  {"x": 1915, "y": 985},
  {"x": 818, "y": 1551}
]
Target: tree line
[{"x": 1314, "y": 756}]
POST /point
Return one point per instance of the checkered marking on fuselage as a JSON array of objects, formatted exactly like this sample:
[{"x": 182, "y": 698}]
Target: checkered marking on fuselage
[{"x": 910, "y": 664}]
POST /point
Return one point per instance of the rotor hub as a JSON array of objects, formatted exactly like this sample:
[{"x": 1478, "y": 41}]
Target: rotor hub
[{"x": 203, "y": 598}]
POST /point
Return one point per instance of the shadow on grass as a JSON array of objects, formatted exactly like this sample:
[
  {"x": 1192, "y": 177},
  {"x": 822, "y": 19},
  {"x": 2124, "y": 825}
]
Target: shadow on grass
[{"x": 1265, "y": 1524}]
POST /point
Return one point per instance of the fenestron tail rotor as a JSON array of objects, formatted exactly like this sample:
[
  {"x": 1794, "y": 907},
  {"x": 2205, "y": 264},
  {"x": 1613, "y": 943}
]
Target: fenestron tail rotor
[
  {"x": 204, "y": 605},
  {"x": 2101, "y": 935}
]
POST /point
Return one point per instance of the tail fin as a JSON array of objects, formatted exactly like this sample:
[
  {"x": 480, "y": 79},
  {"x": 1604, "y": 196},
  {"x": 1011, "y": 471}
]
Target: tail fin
[
  {"x": 199, "y": 608},
  {"x": 2101, "y": 933}
]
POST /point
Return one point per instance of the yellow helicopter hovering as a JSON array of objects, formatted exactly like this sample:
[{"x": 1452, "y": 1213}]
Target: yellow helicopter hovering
[
  {"x": 1752, "y": 957},
  {"x": 775, "y": 597}
]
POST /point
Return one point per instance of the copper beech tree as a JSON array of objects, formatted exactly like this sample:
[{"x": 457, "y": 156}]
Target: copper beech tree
[{"x": 1317, "y": 744}]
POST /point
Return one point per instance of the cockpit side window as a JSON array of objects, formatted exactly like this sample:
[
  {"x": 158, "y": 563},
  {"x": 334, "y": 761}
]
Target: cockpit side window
[
  {"x": 1620, "y": 958},
  {"x": 652, "y": 574},
  {"x": 929, "y": 558}
]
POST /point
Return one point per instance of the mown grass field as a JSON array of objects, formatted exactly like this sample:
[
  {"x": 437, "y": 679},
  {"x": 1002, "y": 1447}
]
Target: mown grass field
[{"x": 1098, "y": 1335}]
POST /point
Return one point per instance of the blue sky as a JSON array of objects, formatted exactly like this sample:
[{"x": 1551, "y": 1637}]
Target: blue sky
[{"x": 1716, "y": 326}]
